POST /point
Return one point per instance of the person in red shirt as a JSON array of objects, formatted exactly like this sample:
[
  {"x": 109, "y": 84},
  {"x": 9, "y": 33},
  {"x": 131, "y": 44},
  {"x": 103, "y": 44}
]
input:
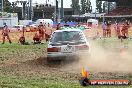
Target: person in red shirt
[
  {"x": 108, "y": 33},
  {"x": 117, "y": 29},
  {"x": 5, "y": 33},
  {"x": 36, "y": 38},
  {"x": 41, "y": 30},
  {"x": 123, "y": 31}
]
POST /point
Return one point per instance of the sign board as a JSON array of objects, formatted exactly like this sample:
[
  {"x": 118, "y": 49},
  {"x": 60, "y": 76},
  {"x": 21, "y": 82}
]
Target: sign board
[{"x": 8, "y": 15}]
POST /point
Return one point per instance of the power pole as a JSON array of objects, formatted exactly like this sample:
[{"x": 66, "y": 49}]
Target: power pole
[
  {"x": 62, "y": 10},
  {"x": 56, "y": 11},
  {"x": 2, "y": 7},
  {"x": 108, "y": 7},
  {"x": 30, "y": 10}
]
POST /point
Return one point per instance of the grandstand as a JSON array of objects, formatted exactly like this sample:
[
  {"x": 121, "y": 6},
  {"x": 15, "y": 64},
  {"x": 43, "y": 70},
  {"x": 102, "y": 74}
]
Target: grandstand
[{"x": 123, "y": 8}]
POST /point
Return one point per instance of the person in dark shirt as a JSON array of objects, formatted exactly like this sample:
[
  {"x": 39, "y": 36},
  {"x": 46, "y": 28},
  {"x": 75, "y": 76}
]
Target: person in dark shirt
[
  {"x": 58, "y": 26},
  {"x": 66, "y": 25}
]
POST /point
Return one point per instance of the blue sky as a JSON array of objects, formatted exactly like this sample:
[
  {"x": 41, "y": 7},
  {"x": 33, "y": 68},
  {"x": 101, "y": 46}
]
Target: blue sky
[{"x": 67, "y": 3}]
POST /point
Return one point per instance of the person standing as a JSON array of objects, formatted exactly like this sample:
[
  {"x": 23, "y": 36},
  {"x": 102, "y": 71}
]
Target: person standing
[
  {"x": 109, "y": 29},
  {"x": 5, "y": 34},
  {"x": 58, "y": 26},
  {"x": 123, "y": 31},
  {"x": 41, "y": 32},
  {"x": 117, "y": 29},
  {"x": 104, "y": 27},
  {"x": 36, "y": 38},
  {"x": 127, "y": 27}
]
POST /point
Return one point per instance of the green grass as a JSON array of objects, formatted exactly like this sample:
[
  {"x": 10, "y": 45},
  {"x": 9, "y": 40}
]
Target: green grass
[
  {"x": 19, "y": 82},
  {"x": 114, "y": 43},
  {"x": 10, "y": 51}
]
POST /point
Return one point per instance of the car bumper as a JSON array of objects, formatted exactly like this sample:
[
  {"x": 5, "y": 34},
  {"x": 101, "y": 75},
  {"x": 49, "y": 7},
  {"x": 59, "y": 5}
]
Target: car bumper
[{"x": 59, "y": 55}]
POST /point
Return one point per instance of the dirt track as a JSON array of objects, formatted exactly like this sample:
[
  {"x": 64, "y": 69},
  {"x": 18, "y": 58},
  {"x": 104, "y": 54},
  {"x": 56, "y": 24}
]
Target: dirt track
[{"x": 103, "y": 63}]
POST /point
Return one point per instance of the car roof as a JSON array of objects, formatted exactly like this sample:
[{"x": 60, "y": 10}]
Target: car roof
[{"x": 69, "y": 29}]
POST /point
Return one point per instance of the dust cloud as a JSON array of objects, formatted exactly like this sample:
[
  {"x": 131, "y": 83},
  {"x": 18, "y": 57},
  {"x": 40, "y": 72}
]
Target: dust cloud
[{"x": 100, "y": 59}]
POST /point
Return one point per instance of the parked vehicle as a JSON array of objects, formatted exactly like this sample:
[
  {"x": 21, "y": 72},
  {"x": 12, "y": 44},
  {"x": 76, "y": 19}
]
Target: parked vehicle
[{"x": 17, "y": 28}]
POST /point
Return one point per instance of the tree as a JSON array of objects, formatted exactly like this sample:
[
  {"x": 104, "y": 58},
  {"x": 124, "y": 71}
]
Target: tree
[
  {"x": 108, "y": 6},
  {"x": 104, "y": 8},
  {"x": 75, "y": 5},
  {"x": 99, "y": 6},
  {"x": 7, "y": 6},
  {"x": 88, "y": 6},
  {"x": 83, "y": 6},
  {"x": 112, "y": 5}
]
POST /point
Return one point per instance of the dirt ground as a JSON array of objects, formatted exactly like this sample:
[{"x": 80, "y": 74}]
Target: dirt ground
[{"x": 103, "y": 62}]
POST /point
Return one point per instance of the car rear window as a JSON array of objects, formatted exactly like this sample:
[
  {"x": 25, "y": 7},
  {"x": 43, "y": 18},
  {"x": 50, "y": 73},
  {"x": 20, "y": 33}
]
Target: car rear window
[{"x": 67, "y": 36}]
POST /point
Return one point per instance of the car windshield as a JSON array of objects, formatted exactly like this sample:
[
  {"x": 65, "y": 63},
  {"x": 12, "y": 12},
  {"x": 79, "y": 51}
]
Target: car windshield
[{"x": 67, "y": 36}]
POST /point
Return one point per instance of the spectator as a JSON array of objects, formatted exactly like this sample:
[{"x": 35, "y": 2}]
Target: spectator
[
  {"x": 66, "y": 24},
  {"x": 22, "y": 38},
  {"x": 5, "y": 33},
  {"x": 78, "y": 25},
  {"x": 36, "y": 38},
  {"x": 123, "y": 31},
  {"x": 117, "y": 29},
  {"x": 104, "y": 27},
  {"x": 58, "y": 26},
  {"x": 108, "y": 34},
  {"x": 41, "y": 32},
  {"x": 127, "y": 28}
]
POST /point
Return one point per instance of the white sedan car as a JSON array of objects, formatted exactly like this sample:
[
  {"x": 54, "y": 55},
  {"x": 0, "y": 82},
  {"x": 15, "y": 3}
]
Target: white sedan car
[
  {"x": 67, "y": 43},
  {"x": 17, "y": 28}
]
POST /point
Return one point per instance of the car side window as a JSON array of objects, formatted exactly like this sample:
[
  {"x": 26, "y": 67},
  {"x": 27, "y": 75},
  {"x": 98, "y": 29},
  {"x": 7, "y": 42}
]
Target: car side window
[{"x": 56, "y": 37}]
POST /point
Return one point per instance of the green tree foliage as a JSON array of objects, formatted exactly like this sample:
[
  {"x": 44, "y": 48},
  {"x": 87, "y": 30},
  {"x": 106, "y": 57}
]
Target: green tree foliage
[
  {"x": 108, "y": 6},
  {"x": 104, "y": 8},
  {"x": 7, "y": 6},
  {"x": 83, "y": 6},
  {"x": 88, "y": 6},
  {"x": 99, "y": 6},
  {"x": 75, "y": 5}
]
